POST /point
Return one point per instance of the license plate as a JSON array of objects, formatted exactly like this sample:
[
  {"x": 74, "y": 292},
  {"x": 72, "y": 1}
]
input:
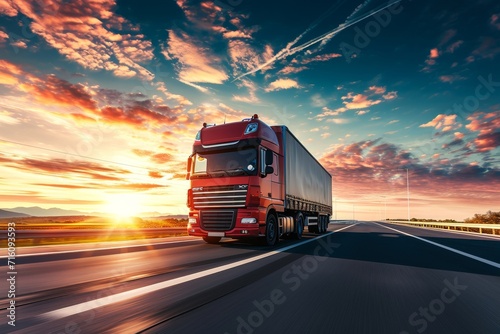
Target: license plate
[{"x": 215, "y": 234}]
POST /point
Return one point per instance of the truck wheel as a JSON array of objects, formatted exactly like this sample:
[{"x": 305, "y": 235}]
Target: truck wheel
[
  {"x": 299, "y": 226},
  {"x": 321, "y": 225},
  {"x": 212, "y": 240},
  {"x": 271, "y": 230}
]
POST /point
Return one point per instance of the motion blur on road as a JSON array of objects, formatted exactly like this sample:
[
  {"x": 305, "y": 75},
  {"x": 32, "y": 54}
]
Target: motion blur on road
[{"x": 359, "y": 277}]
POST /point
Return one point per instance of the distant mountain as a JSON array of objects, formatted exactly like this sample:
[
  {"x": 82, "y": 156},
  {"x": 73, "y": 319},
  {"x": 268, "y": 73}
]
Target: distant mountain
[
  {"x": 40, "y": 212},
  {"x": 10, "y": 214}
]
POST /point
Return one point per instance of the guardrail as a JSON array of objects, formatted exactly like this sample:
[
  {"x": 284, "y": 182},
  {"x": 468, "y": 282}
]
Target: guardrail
[{"x": 494, "y": 228}]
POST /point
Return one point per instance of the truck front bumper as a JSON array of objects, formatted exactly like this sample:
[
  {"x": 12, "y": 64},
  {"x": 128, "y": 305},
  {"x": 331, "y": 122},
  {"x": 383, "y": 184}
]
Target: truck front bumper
[{"x": 240, "y": 229}]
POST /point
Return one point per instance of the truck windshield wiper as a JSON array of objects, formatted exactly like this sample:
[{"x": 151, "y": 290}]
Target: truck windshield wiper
[
  {"x": 238, "y": 171},
  {"x": 218, "y": 171},
  {"x": 230, "y": 172}
]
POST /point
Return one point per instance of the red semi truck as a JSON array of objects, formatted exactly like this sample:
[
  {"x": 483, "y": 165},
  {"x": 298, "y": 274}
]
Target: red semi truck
[{"x": 251, "y": 180}]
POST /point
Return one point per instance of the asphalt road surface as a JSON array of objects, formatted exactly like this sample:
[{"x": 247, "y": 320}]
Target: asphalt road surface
[{"x": 360, "y": 277}]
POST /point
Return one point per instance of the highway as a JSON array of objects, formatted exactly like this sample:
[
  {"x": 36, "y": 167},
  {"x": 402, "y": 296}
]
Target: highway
[{"x": 359, "y": 277}]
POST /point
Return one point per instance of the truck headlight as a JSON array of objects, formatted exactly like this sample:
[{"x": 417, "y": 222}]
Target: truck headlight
[{"x": 248, "y": 220}]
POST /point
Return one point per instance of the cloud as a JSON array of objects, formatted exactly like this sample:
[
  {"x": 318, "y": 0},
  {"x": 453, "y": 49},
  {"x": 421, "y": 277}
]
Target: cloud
[
  {"x": 291, "y": 69},
  {"x": 488, "y": 48},
  {"x": 182, "y": 100},
  {"x": 495, "y": 21},
  {"x": 90, "y": 34},
  {"x": 329, "y": 112},
  {"x": 451, "y": 48},
  {"x": 443, "y": 122},
  {"x": 377, "y": 90},
  {"x": 236, "y": 34},
  {"x": 450, "y": 78},
  {"x": 446, "y": 37},
  {"x": 9, "y": 73},
  {"x": 8, "y": 8},
  {"x": 194, "y": 63},
  {"x": 60, "y": 167},
  {"x": 434, "y": 53},
  {"x": 371, "y": 167},
  {"x": 390, "y": 95},
  {"x": 19, "y": 44},
  {"x": 53, "y": 90},
  {"x": 358, "y": 101},
  {"x": 321, "y": 58},
  {"x": 487, "y": 125},
  {"x": 281, "y": 84},
  {"x": 161, "y": 158},
  {"x": 252, "y": 89},
  {"x": 3, "y": 36},
  {"x": 155, "y": 174},
  {"x": 318, "y": 101}
]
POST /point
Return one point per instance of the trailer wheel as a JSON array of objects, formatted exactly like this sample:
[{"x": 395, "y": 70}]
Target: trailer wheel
[
  {"x": 299, "y": 226},
  {"x": 271, "y": 230},
  {"x": 212, "y": 240},
  {"x": 321, "y": 225}
]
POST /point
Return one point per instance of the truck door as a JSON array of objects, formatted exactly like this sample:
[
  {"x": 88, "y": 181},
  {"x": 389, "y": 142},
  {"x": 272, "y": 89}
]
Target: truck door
[{"x": 275, "y": 179}]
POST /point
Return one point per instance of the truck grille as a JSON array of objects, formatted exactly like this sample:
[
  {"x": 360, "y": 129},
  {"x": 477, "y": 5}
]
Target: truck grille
[
  {"x": 212, "y": 220},
  {"x": 220, "y": 197}
]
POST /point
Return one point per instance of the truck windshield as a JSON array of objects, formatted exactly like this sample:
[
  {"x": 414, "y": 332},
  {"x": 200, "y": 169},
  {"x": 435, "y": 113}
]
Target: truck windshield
[{"x": 241, "y": 162}]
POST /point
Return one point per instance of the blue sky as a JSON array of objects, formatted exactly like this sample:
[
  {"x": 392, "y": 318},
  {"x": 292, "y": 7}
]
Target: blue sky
[{"x": 100, "y": 101}]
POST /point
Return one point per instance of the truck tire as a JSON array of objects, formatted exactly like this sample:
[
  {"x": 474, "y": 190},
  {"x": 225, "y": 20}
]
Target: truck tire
[
  {"x": 299, "y": 226},
  {"x": 271, "y": 230},
  {"x": 212, "y": 240},
  {"x": 321, "y": 225}
]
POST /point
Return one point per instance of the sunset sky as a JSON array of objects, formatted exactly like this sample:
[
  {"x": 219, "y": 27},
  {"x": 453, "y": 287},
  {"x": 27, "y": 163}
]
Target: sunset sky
[{"x": 100, "y": 100}]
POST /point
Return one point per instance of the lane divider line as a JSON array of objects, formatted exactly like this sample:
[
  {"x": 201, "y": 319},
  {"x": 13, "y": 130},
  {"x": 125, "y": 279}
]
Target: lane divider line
[
  {"x": 122, "y": 296},
  {"x": 471, "y": 256}
]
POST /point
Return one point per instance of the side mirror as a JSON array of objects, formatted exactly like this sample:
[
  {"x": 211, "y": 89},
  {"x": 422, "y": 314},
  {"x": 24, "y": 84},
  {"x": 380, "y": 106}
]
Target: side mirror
[
  {"x": 269, "y": 157},
  {"x": 269, "y": 170}
]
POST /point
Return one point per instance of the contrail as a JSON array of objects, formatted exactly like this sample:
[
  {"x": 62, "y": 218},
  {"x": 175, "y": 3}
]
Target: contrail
[{"x": 288, "y": 50}]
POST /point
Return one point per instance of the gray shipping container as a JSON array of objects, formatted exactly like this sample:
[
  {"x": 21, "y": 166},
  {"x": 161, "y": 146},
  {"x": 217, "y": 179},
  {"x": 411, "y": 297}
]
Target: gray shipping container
[{"x": 308, "y": 185}]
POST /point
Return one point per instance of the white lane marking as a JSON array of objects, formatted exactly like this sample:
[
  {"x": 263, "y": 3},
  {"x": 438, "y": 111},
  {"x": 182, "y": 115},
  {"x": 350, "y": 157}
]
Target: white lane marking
[
  {"x": 86, "y": 306},
  {"x": 99, "y": 249},
  {"x": 474, "y": 257}
]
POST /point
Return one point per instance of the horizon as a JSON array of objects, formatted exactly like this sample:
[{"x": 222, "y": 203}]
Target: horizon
[{"x": 100, "y": 102}]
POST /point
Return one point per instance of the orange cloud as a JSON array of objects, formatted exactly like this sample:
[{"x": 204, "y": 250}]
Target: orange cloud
[
  {"x": 358, "y": 101},
  {"x": 89, "y": 33},
  {"x": 377, "y": 90},
  {"x": 9, "y": 73},
  {"x": 442, "y": 122},
  {"x": 434, "y": 53},
  {"x": 323, "y": 57},
  {"x": 487, "y": 125},
  {"x": 54, "y": 90},
  {"x": 194, "y": 62}
]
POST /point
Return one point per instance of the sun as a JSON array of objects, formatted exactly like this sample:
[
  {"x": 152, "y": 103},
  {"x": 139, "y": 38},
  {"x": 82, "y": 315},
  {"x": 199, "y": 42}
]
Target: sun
[{"x": 123, "y": 205}]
